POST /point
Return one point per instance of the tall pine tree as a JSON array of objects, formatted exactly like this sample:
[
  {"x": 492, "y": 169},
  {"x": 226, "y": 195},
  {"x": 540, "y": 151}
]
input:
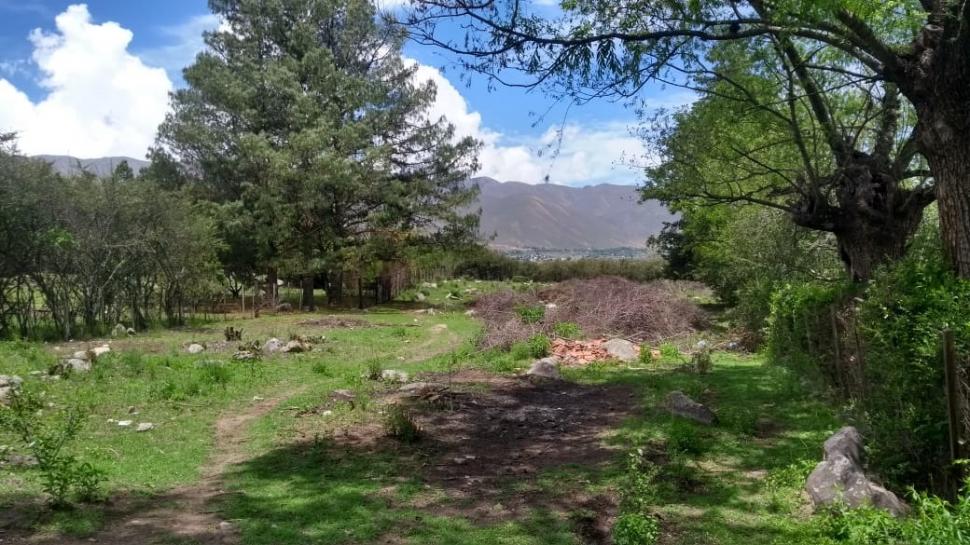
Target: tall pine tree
[{"x": 305, "y": 114}]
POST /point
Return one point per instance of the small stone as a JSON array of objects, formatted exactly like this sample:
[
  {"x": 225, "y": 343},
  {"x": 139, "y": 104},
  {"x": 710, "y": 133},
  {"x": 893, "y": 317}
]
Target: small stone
[
  {"x": 295, "y": 347},
  {"x": 124, "y": 423},
  {"x": 244, "y": 355},
  {"x": 390, "y": 375},
  {"x": 145, "y": 426},
  {"x": 195, "y": 348},
  {"x": 545, "y": 368},
  {"x": 225, "y": 526},
  {"x": 343, "y": 395},
  {"x": 622, "y": 350},
  {"x": 99, "y": 351},
  {"x": 257, "y": 398},
  {"x": 327, "y": 413},
  {"x": 471, "y": 312},
  {"x": 273, "y": 345},
  {"x": 679, "y": 404}
]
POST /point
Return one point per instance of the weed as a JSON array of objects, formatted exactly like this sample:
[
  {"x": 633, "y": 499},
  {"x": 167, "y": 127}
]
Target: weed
[
  {"x": 531, "y": 314},
  {"x": 520, "y": 351},
  {"x": 215, "y": 372},
  {"x": 374, "y": 369},
  {"x": 639, "y": 490},
  {"x": 399, "y": 424},
  {"x": 635, "y": 529},
  {"x": 539, "y": 346},
  {"x": 567, "y": 330},
  {"x": 400, "y": 332},
  {"x": 47, "y": 438},
  {"x": 322, "y": 369},
  {"x": 686, "y": 438},
  {"x": 782, "y": 486},
  {"x": 669, "y": 351}
]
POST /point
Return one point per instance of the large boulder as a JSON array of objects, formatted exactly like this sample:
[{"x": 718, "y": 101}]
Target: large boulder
[
  {"x": 99, "y": 351},
  {"x": 622, "y": 350},
  {"x": 9, "y": 384},
  {"x": 195, "y": 348},
  {"x": 840, "y": 478},
  {"x": 77, "y": 365},
  {"x": 273, "y": 345},
  {"x": 679, "y": 404},
  {"x": 545, "y": 368}
]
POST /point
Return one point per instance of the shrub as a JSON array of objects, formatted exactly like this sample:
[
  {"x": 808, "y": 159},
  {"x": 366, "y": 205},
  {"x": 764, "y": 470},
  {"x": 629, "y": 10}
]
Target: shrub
[
  {"x": 567, "y": 330},
  {"x": 669, "y": 352},
  {"x": 635, "y": 529},
  {"x": 684, "y": 437},
  {"x": 520, "y": 351},
  {"x": 539, "y": 346},
  {"x": 47, "y": 438},
  {"x": 399, "y": 424},
  {"x": 374, "y": 369},
  {"x": 531, "y": 314}
]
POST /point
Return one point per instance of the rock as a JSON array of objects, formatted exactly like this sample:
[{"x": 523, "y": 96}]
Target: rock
[
  {"x": 77, "y": 365},
  {"x": 9, "y": 384},
  {"x": 244, "y": 355},
  {"x": 327, "y": 413},
  {"x": 119, "y": 330},
  {"x": 124, "y": 423},
  {"x": 390, "y": 375},
  {"x": 545, "y": 368},
  {"x": 420, "y": 297},
  {"x": 840, "y": 477},
  {"x": 82, "y": 355},
  {"x": 284, "y": 307},
  {"x": 622, "y": 350},
  {"x": 471, "y": 312},
  {"x": 195, "y": 348},
  {"x": 430, "y": 285},
  {"x": 343, "y": 395},
  {"x": 145, "y": 426},
  {"x": 273, "y": 345},
  {"x": 421, "y": 389},
  {"x": 701, "y": 345},
  {"x": 679, "y": 404},
  {"x": 295, "y": 347},
  {"x": 130, "y": 331},
  {"x": 225, "y": 526},
  {"x": 99, "y": 351},
  {"x": 551, "y": 306}
]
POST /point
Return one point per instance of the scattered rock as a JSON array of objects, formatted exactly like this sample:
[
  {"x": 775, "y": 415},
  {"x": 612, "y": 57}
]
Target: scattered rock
[
  {"x": 9, "y": 384},
  {"x": 273, "y": 345},
  {"x": 622, "y": 350},
  {"x": 421, "y": 389},
  {"x": 679, "y": 404},
  {"x": 77, "y": 365},
  {"x": 195, "y": 348},
  {"x": 124, "y": 423},
  {"x": 390, "y": 375},
  {"x": 145, "y": 426},
  {"x": 343, "y": 395},
  {"x": 545, "y": 368},
  {"x": 840, "y": 477},
  {"x": 244, "y": 355},
  {"x": 119, "y": 330},
  {"x": 295, "y": 347},
  {"x": 82, "y": 355},
  {"x": 284, "y": 307},
  {"x": 420, "y": 297},
  {"x": 99, "y": 351}
]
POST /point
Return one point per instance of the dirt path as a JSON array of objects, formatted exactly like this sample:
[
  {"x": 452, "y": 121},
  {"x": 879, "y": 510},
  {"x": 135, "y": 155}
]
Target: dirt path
[{"x": 183, "y": 514}]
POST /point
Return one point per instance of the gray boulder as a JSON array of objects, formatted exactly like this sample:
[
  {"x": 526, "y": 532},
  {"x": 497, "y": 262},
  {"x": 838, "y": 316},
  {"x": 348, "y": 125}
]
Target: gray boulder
[
  {"x": 273, "y": 345},
  {"x": 622, "y": 350},
  {"x": 545, "y": 368},
  {"x": 841, "y": 478},
  {"x": 295, "y": 347},
  {"x": 391, "y": 375},
  {"x": 421, "y": 389},
  {"x": 679, "y": 404},
  {"x": 9, "y": 384},
  {"x": 77, "y": 365},
  {"x": 195, "y": 348}
]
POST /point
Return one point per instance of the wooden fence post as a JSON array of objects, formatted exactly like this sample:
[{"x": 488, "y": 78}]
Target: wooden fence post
[
  {"x": 837, "y": 347},
  {"x": 953, "y": 412}
]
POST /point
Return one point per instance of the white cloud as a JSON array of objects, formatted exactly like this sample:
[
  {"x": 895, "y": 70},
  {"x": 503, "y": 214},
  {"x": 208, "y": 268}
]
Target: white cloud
[
  {"x": 185, "y": 42},
  {"x": 586, "y": 154},
  {"x": 101, "y": 100}
]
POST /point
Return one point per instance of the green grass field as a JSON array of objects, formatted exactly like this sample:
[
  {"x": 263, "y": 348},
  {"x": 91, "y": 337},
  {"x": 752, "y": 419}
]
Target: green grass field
[{"x": 275, "y": 461}]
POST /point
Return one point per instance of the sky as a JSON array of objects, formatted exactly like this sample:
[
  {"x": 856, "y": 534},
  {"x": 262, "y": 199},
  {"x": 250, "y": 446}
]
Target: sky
[{"x": 92, "y": 80}]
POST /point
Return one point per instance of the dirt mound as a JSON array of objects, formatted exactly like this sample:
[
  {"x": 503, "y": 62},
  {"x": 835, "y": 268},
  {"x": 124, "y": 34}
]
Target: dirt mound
[{"x": 601, "y": 307}]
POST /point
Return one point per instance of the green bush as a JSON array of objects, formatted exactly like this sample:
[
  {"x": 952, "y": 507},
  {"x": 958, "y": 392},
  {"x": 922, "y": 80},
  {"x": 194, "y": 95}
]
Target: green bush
[
  {"x": 399, "y": 424},
  {"x": 47, "y": 435},
  {"x": 539, "y": 346},
  {"x": 635, "y": 529},
  {"x": 685, "y": 437},
  {"x": 520, "y": 351},
  {"x": 567, "y": 330},
  {"x": 531, "y": 315}
]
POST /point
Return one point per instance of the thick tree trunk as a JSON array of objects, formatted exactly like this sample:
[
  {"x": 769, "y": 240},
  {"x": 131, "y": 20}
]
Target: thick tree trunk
[
  {"x": 951, "y": 170},
  {"x": 866, "y": 246},
  {"x": 308, "y": 302}
]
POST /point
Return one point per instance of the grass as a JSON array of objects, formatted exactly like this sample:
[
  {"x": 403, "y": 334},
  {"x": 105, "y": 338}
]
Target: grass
[{"x": 729, "y": 484}]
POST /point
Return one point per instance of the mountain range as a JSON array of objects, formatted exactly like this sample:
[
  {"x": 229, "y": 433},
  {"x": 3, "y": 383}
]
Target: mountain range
[{"x": 516, "y": 215}]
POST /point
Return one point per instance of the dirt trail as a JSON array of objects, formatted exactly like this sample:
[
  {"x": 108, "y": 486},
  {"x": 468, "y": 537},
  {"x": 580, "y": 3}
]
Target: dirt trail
[{"x": 185, "y": 513}]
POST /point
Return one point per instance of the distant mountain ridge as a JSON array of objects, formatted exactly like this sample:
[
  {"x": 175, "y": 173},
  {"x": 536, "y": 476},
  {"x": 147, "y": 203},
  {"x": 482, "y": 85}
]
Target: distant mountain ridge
[{"x": 516, "y": 214}]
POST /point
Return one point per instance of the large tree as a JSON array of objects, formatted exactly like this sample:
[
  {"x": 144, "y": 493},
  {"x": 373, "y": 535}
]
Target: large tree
[
  {"x": 764, "y": 133},
  {"x": 304, "y": 116},
  {"x": 610, "y": 48}
]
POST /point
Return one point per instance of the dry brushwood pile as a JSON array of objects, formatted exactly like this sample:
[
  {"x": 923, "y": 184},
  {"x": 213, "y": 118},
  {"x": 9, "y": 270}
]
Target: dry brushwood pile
[{"x": 601, "y": 307}]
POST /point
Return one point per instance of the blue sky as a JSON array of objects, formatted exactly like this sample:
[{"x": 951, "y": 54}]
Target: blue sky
[{"x": 92, "y": 79}]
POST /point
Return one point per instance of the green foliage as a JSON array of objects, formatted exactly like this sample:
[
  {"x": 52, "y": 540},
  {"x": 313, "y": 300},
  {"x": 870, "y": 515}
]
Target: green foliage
[
  {"x": 567, "y": 330},
  {"x": 539, "y": 346},
  {"x": 531, "y": 314},
  {"x": 485, "y": 264},
  {"x": 638, "y": 489},
  {"x": 669, "y": 351},
  {"x": 520, "y": 351},
  {"x": 48, "y": 438},
  {"x": 374, "y": 369},
  {"x": 635, "y": 529},
  {"x": 686, "y": 438},
  {"x": 399, "y": 424},
  {"x": 783, "y": 487}
]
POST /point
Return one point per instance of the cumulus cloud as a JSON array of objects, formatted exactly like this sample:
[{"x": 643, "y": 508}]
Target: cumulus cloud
[
  {"x": 101, "y": 99},
  {"x": 571, "y": 154}
]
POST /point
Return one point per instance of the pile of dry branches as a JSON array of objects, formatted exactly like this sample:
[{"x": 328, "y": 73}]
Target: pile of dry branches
[{"x": 601, "y": 307}]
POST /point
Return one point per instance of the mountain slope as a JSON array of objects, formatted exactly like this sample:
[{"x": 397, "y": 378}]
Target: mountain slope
[
  {"x": 517, "y": 215},
  {"x": 554, "y": 216}
]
